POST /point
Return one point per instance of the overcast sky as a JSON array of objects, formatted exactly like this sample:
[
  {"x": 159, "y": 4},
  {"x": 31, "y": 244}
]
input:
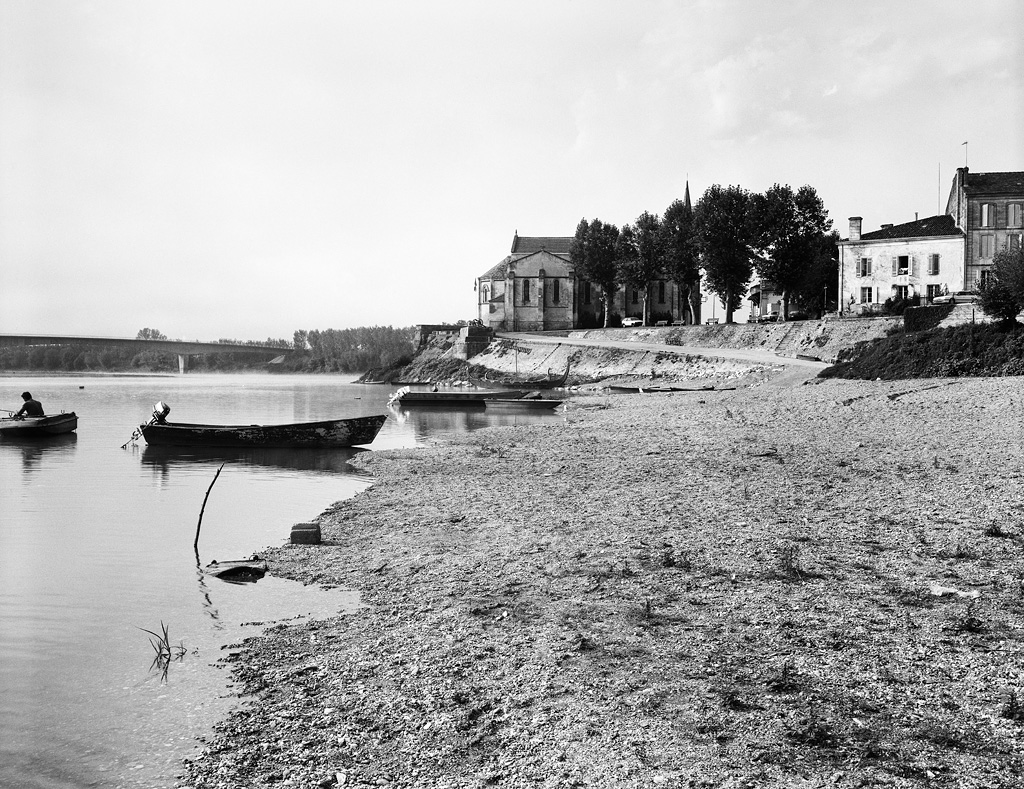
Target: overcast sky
[{"x": 242, "y": 169}]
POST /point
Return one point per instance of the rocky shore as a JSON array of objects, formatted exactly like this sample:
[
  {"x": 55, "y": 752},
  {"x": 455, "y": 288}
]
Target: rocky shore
[{"x": 796, "y": 583}]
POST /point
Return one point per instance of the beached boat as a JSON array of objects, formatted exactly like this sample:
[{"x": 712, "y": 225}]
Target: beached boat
[
  {"x": 549, "y": 382},
  {"x": 38, "y": 426},
  {"x": 329, "y": 433},
  {"x": 522, "y": 404},
  {"x": 656, "y": 389},
  {"x": 239, "y": 572},
  {"x": 463, "y": 399}
]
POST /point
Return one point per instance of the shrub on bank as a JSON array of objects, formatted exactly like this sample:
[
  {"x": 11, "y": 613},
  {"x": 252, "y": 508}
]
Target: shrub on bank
[
  {"x": 927, "y": 317},
  {"x": 957, "y": 351}
]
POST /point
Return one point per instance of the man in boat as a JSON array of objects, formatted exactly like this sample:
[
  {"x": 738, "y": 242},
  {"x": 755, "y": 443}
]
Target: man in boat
[{"x": 30, "y": 408}]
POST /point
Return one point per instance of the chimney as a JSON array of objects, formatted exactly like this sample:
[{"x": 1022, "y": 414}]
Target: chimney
[
  {"x": 855, "y": 223},
  {"x": 915, "y": 216}
]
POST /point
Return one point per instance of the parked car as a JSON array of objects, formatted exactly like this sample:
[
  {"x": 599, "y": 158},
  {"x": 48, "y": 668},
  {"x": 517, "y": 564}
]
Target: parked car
[
  {"x": 629, "y": 323},
  {"x": 797, "y": 315},
  {"x": 959, "y": 297}
]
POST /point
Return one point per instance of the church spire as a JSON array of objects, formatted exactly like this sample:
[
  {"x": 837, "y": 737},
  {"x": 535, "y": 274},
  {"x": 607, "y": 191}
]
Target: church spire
[{"x": 686, "y": 196}]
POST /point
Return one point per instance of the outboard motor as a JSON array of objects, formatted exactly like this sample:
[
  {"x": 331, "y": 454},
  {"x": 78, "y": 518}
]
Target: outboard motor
[{"x": 160, "y": 412}]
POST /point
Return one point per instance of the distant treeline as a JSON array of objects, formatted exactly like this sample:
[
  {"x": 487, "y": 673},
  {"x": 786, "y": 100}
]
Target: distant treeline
[
  {"x": 331, "y": 350},
  {"x": 352, "y": 350}
]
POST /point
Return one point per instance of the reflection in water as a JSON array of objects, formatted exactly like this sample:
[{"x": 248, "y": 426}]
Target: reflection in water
[
  {"x": 320, "y": 460},
  {"x": 204, "y": 592},
  {"x": 34, "y": 449},
  {"x": 454, "y": 419}
]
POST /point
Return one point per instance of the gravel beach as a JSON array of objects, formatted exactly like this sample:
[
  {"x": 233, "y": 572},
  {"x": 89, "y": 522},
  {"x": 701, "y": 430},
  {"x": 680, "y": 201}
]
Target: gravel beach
[{"x": 795, "y": 583}]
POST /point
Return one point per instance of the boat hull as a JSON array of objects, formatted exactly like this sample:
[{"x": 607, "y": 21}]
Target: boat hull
[
  {"x": 238, "y": 572},
  {"x": 39, "y": 426},
  {"x": 468, "y": 399},
  {"x": 330, "y": 433},
  {"x": 524, "y": 404}
]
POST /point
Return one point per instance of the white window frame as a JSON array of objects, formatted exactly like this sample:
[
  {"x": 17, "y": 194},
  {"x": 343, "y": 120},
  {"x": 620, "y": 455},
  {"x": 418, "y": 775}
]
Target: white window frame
[
  {"x": 867, "y": 295},
  {"x": 1015, "y": 215},
  {"x": 864, "y": 267},
  {"x": 988, "y": 211},
  {"x": 933, "y": 264},
  {"x": 986, "y": 240}
]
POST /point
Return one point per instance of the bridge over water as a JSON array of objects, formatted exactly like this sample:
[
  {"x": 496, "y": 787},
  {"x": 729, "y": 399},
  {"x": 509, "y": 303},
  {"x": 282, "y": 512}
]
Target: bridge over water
[{"x": 182, "y": 348}]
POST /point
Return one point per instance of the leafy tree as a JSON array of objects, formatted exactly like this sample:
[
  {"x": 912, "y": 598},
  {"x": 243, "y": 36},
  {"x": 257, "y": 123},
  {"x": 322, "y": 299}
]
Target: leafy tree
[
  {"x": 725, "y": 232},
  {"x": 682, "y": 260},
  {"x": 150, "y": 334},
  {"x": 1002, "y": 296},
  {"x": 641, "y": 251},
  {"x": 594, "y": 255},
  {"x": 790, "y": 226},
  {"x": 820, "y": 284}
]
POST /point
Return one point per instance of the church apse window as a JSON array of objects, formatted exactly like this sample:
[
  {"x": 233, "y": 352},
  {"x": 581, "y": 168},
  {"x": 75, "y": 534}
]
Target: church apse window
[
  {"x": 556, "y": 295},
  {"x": 526, "y": 291}
]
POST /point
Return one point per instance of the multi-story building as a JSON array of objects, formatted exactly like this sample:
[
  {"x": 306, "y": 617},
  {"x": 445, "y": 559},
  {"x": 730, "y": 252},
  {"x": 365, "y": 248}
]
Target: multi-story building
[
  {"x": 938, "y": 254},
  {"x": 920, "y": 258},
  {"x": 987, "y": 207}
]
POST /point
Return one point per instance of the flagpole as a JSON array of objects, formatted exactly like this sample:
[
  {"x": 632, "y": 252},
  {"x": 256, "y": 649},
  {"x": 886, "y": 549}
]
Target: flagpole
[{"x": 965, "y": 153}]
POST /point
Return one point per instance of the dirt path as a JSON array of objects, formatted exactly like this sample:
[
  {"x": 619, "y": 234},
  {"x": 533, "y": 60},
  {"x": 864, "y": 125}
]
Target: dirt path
[{"x": 783, "y": 585}]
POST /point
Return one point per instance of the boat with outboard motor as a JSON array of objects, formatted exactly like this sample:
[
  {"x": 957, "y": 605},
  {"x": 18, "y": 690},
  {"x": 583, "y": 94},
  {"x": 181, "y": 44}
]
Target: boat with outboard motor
[{"x": 327, "y": 433}]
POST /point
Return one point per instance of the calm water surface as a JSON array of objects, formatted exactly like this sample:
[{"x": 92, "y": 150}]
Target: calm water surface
[{"x": 96, "y": 543}]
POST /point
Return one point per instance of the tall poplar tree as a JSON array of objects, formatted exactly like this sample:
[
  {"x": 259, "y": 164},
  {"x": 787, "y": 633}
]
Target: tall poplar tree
[
  {"x": 790, "y": 228},
  {"x": 642, "y": 249},
  {"x": 682, "y": 262},
  {"x": 725, "y": 230},
  {"x": 594, "y": 256}
]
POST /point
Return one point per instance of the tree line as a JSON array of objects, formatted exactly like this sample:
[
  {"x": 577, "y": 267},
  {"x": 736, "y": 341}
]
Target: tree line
[
  {"x": 330, "y": 350},
  {"x": 784, "y": 235}
]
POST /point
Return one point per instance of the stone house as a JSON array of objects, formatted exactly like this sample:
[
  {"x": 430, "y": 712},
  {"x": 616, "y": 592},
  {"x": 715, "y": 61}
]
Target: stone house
[
  {"x": 939, "y": 254},
  {"x": 987, "y": 207},
  {"x": 920, "y": 258},
  {"x": 535, "y": 288}
]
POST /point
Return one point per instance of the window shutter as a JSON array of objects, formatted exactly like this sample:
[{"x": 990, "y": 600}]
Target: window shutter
[
  {"x": 869, "y": 265},
  {"x": 895, "y": 266},
  {"x": 913, "y": 266}
]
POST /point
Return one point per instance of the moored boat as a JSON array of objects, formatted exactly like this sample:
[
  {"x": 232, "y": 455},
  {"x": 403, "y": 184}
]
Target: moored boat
[
  {"x": 523, "y": 404},
  {"x": 38, "y": 426},
  {"x": 464, "y": 399},
  {"x": 327, "y": 433}
]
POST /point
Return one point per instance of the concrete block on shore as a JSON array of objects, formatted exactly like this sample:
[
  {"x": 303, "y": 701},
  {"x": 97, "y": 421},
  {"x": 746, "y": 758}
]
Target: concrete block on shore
[{"x": 306, "y": 534}]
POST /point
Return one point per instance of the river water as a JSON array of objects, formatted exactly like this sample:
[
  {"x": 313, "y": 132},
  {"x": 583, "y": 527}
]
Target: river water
[{"x": 96, "y": 546}]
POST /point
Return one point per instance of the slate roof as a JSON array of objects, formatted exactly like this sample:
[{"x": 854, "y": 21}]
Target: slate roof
[
  {"x": 525, "y": 245},
  {"x": 942, "y": 225},
  {"x": 499, "y": 271},
  {"x": 995, "y": 183}
]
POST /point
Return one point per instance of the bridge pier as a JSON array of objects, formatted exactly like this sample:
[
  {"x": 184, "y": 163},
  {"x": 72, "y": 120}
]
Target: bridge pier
[{"x": 182, "y": 363}]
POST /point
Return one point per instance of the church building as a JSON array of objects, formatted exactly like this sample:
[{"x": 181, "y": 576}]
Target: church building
[{"x": 535, "y": 288}]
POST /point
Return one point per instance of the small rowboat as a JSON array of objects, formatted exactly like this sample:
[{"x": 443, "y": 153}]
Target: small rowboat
[
  {"x": 329, "y": 433},
  {"x": 244, "y": 571},
  {"x": 522, "y": 404},
  {"x": 38, "y": 426}
]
